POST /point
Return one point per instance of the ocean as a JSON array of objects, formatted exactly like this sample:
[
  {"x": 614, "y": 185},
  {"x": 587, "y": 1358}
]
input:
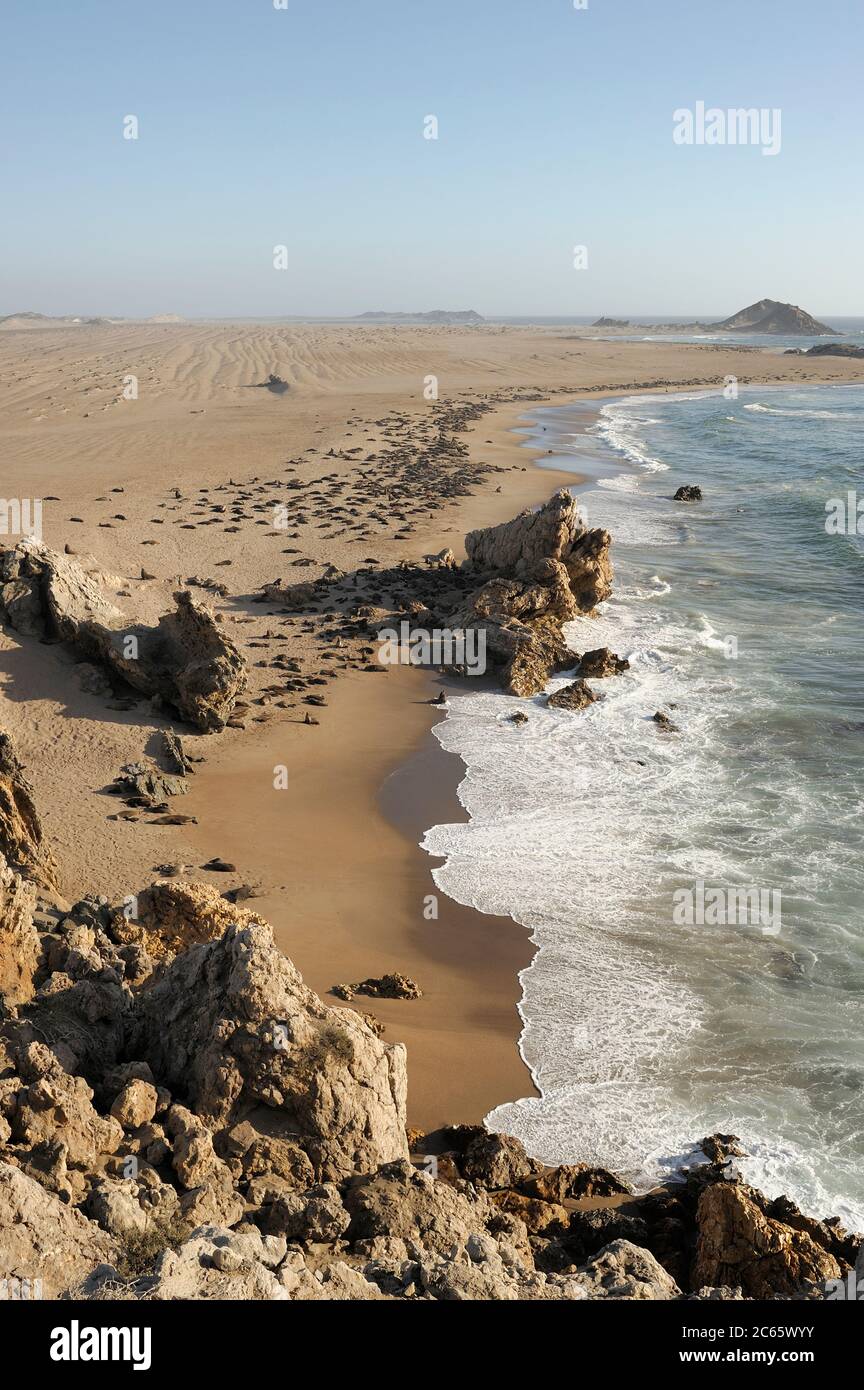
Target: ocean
[{"x": 648, "y": 1025}]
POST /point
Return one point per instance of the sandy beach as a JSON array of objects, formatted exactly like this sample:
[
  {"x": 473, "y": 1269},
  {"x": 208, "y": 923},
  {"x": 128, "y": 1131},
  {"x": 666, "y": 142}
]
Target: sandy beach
[{"x": 176, "y": 485}]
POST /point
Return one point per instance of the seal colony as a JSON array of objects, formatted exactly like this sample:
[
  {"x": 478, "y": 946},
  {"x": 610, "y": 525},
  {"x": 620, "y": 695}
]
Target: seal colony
[{"x": 181, "y": 1115}]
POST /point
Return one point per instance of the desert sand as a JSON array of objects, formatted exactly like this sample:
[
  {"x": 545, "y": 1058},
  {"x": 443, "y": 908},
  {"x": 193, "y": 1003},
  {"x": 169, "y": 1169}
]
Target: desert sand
[{"x": 176, "y": 480}]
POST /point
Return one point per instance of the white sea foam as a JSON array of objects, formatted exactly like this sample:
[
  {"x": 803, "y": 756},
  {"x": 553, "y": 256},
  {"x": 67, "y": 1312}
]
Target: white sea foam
[{"x": 580, "y": 826}]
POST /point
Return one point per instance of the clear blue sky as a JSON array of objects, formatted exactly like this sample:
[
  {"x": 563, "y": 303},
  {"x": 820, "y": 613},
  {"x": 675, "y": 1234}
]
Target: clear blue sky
[{"x": 304, "y": 127}]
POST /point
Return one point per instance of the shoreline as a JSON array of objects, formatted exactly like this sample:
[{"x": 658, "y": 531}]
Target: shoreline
[
  {"x": 467, "y": 953},
  {"x": 341, "y": 913}
]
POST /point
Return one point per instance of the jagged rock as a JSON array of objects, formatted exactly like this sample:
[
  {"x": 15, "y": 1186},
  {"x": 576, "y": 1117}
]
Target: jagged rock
[
  {"x": 602, "y": 662},
  {"x": 555, "y": 532},
  {"x": 573, "y": 1181},
  {"x": 52, "y": 1106},
  {"x": 690, "y": 492},
  {"x": 175, "y": 754},
  {"x": 113, "y": 1204},
  {"x": 388, "y": 987},
  {"x": 497, "y": 1160},
  {"x": 216, "y": 1263},
  {"x": 186, "y": 659},
  {"x": 540, "y": 1217},
  {"x": 19, "y": 940},
  {"x": 232, "y": 1023},
  {"x": 136, "y": 1104},
  {"x": 42, "y": 1238},
  {"x": 545, "y": 568},
  {"x": 137, "y": 779},
  {"x": 262, "y": 1155},
  {"x": 665, "y": 723},
  {"x": 738, "y": 1244},
  {"x": 314, "y": 1215},
  {"x": 174, "y": 915},
  {"x": 521, "y": 624},
  {"x": 22, "y": 841},
  {"x": 431, "y": 1217},
  {"x": 622, "y": 1270},
  {"x": 575, "y": 696},
  {"x": 717, "y": 1148},
  {"x": 194, "y": 1159}
]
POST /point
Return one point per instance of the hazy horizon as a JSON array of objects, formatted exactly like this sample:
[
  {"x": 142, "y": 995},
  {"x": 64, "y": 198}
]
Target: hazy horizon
[{"x": 165, "y": 157}]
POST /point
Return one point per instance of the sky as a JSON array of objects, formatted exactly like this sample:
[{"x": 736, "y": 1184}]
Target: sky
[{"x": 304, "y": 127}]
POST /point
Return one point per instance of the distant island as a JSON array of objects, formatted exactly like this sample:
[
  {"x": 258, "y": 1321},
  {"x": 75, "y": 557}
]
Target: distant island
[
  {"x": 28, "y": 319},
  {"x": 765, "y": 316},
  {"x": 429, "y": 316}
]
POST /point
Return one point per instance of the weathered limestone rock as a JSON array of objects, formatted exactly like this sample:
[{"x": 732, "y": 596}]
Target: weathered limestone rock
[
  {"x": 216, "y": 1263},
  {"x": 555, "y": 532},
  {"x": 314, "y": 1215},
  {"x": 431, "y": 1217},
  {"x": 738, "y": 1244},
  {"x": 573, "y": 1181},
  {"x": 387, "y": 987},
  {"x": 174, "y": 914},
  {"x": 232, "y": 1024},
  {"x": 496, "y": 1161},
  {"x": 622, "y": 1270},
  {"x": 136, "y": 1104},
  {"x": 578, "y": 695},
  {"x": 52, "y": 1106},
  {"x": 19, "y": 940},
  {"x": 43, "y": 1238},
  {"x": 545, "y": 568},
  {"x": 186, "y": 659},
  {"x": 22, "y": 841},
  {"x": 602, "y": 662}
]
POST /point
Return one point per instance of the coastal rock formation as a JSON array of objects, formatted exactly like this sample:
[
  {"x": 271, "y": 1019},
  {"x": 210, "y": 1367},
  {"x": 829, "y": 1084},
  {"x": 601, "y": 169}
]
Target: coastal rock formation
[
  {"x": 174, "y": 915},
  {"x": 388, "y": 987},
  {"x": 186, "y": 660},
  {"x": 555, "y": 532},
  {"x": 22, "y": 840},
  {"x": 181, "y": 1117},
  {"x": 43, "y": 1238},
  {"x": 19, "y": 940},
  {"x": 827, "y": 350},
  {"x": 578, "y": 695},
  {"x": 689, "y": 492},
  {"x": 740, "y": 1244},
  {"x": 602, "y": 662},
  {"x": 232, "y": 1026}
]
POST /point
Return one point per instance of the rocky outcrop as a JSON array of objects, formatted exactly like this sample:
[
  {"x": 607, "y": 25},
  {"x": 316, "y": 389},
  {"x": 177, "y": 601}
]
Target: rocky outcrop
[
  {"x": 543, "y": 568},
  {"x": 602, "y": 662},
  {"x": 173, "y": 915},
  {"x": 43, "y": 1239},
  {"x": 387, "y": 987},
  {"x": 578, "y": 695},
  {"x": 22, "y": 839},
  {"x": 231, "y": 1026},
  {"x": 688, "y": 492},
  {"x": 555, "y": 532},
  {"x": 740, "y": 1244},
  {"x": 19, "y": 940},
  {"x": 186, "y": 660}
]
